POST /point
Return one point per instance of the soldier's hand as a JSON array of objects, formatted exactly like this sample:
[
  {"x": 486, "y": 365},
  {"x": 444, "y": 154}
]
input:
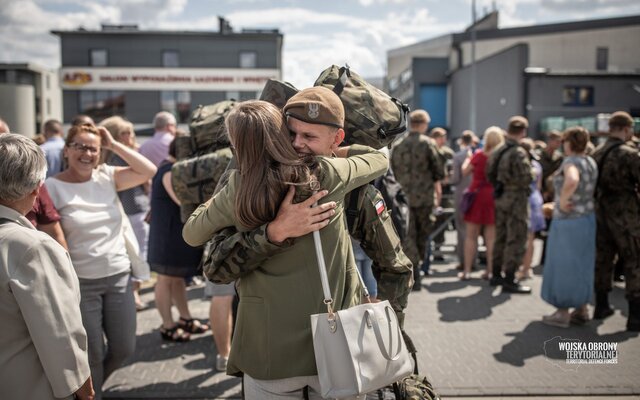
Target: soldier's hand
[{"x": 295, "y": 220}]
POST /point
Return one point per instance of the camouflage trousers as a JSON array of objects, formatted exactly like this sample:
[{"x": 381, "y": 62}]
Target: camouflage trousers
[
  {"x": 421, "y": 224},
  {"x": 612, "y": 240},
  {"x": 512, "y": 219}
]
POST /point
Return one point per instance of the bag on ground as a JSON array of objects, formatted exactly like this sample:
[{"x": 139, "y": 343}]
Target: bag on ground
[{"x": 372, "y": 117}]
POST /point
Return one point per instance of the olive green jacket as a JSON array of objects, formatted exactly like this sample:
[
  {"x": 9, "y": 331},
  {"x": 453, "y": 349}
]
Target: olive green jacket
[{"x": 272, "y": 339}]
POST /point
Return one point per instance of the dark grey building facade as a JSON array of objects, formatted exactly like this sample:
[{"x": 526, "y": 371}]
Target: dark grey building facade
[
  {"x": 570, "y": 72},
  {"x": 121, "y": 70}
]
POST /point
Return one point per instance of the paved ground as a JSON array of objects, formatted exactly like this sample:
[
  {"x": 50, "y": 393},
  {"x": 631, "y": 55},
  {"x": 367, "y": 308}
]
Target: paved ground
[{"x": 472, "y": 341}]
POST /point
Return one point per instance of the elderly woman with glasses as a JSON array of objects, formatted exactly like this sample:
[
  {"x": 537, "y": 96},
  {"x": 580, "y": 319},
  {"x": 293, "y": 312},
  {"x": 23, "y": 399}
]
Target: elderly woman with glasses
[{"x": 86, "y": 197}]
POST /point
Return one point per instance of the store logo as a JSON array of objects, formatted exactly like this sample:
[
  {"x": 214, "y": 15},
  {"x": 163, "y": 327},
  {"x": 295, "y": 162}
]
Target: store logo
[{"x": 76, "y": 78}]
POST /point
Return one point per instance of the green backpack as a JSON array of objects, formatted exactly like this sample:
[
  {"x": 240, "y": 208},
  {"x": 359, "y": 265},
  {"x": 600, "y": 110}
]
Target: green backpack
[
  {"x": 195, "y": 179},
  {"x": 372, "y": 117},
  {"x": 278, "y": 92},
  {"x": 206, "y": 127}
]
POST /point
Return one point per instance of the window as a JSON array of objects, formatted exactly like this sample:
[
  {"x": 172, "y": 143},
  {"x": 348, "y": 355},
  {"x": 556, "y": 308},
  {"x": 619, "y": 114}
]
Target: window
[
  {"x": 99, "y": 58},
  {"x": 232, "y": 95},
  {"x": 178, "y": 103},
  {"x": 170, "y": 58},
  {"x": 100, "y": 104},
  {"x": 602, "y": 58},
  {"x": 577, "y": 96},
  {"x": 248, "y": 59}
]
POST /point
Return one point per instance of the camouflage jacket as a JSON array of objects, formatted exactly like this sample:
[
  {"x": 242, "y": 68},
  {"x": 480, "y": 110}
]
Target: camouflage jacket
[
  {"x": 618, "y": 184},
  {"x": 550, "y": 163},
  {"x": 514, "y": 170},
  {"x": 417, "y": 165}
]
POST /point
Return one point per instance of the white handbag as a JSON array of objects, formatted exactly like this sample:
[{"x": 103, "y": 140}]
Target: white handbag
[{"x": 360, "y": 349}]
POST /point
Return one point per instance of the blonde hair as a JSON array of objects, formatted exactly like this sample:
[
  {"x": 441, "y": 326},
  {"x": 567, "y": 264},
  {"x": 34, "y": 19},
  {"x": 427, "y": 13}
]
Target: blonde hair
[
  {"x": 117, "y": 126},
  {"x": 266, "y": 159},
  {"x": 493, "y": 138}
]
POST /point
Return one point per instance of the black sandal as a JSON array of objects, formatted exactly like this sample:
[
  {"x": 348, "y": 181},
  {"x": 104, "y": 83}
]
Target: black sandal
[
  {"x": 175, "y": 334},
  {"x": 193, "y": 325}
]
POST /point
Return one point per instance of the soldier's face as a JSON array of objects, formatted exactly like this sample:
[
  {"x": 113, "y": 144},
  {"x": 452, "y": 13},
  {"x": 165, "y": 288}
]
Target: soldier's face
[{"x": 316, "y": 139}]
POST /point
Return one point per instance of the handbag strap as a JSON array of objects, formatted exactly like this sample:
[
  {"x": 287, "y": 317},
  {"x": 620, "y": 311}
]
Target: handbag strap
[
  {"x": 324, "y": 279},
  {"x": 373, "y": 322}
]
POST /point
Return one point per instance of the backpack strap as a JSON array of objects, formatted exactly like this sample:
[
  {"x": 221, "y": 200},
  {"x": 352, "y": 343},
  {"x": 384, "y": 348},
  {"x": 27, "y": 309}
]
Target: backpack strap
[
  {"x": 343, "y": 74},
  {"x": 352, "y": 209},
  {"x": 493, "y": 171}
]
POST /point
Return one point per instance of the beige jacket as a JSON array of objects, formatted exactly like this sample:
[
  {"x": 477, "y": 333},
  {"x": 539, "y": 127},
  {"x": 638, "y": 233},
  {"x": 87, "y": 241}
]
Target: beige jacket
[{"x": 43, "y": 345}]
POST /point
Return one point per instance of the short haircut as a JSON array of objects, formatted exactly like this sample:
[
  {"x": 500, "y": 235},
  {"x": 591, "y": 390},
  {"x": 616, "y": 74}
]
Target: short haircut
[
  {"x": 52, "y": 126},
  {"x": 620, "y": 120},
  {"x": 438, "y": 132},
  {"x": 419, "y": 117},
  {"x": 82, "y": 119},
  {"x": 78, "y": 129},
  {"x": 467, "y": 138},
  {"x": 517, "y": 124},
  {"x": 554, "y": 134},
  {"x": 22, "y": 166},
  {"x": 577, "y": 137},
  {"x": 163, "y": 119}
]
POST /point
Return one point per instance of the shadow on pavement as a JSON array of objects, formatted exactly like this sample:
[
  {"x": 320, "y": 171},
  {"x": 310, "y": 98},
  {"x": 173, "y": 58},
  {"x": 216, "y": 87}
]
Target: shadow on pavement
[
  {"x": 530, "y": 342},
  {"x": 468, "y": 308}
]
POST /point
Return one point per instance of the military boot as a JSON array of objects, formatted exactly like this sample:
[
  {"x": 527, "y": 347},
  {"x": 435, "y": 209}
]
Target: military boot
[
  {"x": 633, "y": 323},
  {"x": 603, "y": 309}
]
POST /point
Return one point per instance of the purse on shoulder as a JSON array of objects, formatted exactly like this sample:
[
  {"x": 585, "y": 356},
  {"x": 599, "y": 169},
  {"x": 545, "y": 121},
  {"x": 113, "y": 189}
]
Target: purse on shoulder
[{"x": 357, "y": 350}]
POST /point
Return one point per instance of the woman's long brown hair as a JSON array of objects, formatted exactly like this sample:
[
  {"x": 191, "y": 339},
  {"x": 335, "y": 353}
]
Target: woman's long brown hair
[{"x": 267, "y": 162}]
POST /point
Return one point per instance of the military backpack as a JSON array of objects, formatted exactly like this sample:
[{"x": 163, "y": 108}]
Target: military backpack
[
  {"x": 372, "y": 117},
  {"x": 206, "y": 127},
  {"x": 278, "y": 92}
]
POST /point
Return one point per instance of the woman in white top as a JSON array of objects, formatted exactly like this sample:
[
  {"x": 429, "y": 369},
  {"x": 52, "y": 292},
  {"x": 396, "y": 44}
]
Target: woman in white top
[{"x": 86, "y": 198}]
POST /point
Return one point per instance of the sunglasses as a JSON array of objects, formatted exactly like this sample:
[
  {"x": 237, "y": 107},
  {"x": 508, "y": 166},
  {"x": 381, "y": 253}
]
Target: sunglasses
[{"x": 83, "y": 147}]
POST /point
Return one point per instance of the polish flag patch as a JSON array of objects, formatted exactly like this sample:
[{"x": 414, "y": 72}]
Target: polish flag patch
[{"x": 380, "y": 206}]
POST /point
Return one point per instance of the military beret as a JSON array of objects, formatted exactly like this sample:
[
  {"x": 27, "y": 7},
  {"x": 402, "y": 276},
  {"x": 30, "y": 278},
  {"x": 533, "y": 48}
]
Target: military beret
[
  {"x": 419, "y": 116},
  {"x": 517, "y": 123},
  {"x": 316, "y": 105},
  {"x": 620, "y": 119}
]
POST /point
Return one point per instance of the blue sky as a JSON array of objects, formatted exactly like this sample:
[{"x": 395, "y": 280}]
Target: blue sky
[{"x": 316, "y": 33}]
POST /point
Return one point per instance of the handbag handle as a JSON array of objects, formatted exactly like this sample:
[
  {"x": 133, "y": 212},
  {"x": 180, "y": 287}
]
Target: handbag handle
[
  {"x": 324, "y": 279},
  {"x": 373, "y": 322}
]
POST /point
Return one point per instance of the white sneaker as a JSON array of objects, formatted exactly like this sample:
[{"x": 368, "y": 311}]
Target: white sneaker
[{"x": 221, "y": 363}]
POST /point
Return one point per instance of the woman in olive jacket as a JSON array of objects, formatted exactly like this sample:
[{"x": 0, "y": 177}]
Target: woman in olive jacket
[{"x": 273, "y": 339}]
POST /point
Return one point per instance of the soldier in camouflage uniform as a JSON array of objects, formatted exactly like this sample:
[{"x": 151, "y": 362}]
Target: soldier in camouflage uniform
[
  {"x": 550, "y": 159},
  {"x": 509, "y": 170},
  {"x": 373, "y": 227},
  {"x": 618, "y": 217},
  {"x": 418, "y": 168},
  {"x": 439, "y": 136}
]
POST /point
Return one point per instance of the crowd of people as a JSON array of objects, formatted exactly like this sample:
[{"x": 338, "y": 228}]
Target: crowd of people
[{"x": 65, "y": 204}]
